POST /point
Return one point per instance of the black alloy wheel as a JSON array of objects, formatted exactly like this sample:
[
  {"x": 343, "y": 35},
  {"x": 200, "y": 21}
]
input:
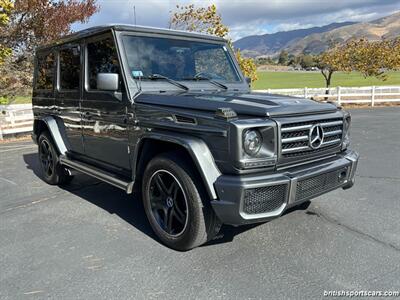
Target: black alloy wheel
[
  {"x": 176, "y": 203},
  {"x": 168, "y": 202}
]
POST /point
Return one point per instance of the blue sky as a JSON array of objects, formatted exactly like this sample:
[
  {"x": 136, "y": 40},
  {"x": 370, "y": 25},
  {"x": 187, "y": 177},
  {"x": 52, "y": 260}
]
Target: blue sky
[{"x": 247, "y": 17}]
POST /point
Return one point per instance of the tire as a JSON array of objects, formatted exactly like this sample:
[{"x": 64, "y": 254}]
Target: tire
[
  {"x": 53, "y": 173},
  {"x": 165, "y": 203}
]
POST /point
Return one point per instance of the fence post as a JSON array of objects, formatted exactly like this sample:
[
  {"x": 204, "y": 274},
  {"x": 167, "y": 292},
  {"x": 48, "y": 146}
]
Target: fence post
[
  {"x": 305, "y": 92},
  {"x": 1, "y": 134},
  {"x": 373, "y": 95},
  {"x": 12, "y": 117},
  {"x": 339, "y": 95}
]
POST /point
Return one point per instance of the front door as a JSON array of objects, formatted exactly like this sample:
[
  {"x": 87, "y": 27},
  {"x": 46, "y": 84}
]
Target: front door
[{"x": 104, "y": 121}]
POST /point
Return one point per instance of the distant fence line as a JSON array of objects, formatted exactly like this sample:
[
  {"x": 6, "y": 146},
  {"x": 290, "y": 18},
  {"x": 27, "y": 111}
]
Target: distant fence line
[
  {"x": 15, "y": 119},
  {"x": 345, "y": 95},
  {"x": 18, "y": 118}
]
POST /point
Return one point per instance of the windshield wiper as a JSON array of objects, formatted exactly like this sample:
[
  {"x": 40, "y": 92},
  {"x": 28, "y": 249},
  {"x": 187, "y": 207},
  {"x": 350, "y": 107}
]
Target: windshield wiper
[
  {"x": 174, "y": 82},
  {"x": 216, "y": 83}
]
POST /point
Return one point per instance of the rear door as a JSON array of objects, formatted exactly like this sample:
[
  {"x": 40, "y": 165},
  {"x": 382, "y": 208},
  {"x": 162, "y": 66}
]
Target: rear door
[
  {"x": 104, "y": 112},
  {"x": 68, "y": 95}
]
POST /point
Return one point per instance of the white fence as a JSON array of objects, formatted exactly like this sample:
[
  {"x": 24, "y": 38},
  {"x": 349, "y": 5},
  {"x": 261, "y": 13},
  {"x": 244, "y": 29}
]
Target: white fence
[
  {"x": 15, "y": 119},
  {"x": 343, "y": 95}
]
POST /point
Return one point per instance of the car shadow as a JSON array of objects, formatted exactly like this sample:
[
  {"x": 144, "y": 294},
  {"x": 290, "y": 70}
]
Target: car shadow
[{"x": 116, "y": 201}]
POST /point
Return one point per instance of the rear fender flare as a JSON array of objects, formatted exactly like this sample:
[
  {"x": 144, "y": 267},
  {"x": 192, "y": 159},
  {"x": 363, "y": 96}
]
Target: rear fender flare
[{"x": 55, "y": 132}]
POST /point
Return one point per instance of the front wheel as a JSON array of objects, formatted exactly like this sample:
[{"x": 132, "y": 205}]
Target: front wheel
[{"x": 175, "y": 203}]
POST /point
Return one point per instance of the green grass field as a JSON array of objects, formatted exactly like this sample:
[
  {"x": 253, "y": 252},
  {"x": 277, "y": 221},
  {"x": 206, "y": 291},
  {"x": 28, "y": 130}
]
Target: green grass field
[{"x": 287, "y": 80}]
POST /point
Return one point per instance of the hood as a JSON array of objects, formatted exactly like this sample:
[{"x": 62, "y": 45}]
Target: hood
[{"x": 253, "y": 104}]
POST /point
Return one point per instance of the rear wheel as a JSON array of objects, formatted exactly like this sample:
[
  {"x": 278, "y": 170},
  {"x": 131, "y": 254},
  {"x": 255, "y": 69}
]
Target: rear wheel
[
  {"x": 176, "y": 205},
  {"x": 53, "y": 172}
]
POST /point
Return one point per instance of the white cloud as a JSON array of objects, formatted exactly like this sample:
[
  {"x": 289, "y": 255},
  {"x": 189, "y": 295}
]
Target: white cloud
[{"x": 248, "y": 17}]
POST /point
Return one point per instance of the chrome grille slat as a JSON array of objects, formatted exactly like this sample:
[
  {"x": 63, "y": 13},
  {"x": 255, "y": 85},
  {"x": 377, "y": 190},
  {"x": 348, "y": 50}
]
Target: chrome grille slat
[
  {"x": 296, "y": 128},
  {"x": 328, "y": 124},
  {"x": 295, "y": 149},
  {"x": 335, "y": 132},
  {"x": 295, "y": 137}
]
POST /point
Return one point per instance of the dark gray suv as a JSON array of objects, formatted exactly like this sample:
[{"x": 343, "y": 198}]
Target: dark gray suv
[{"x": 169, "y": 113}]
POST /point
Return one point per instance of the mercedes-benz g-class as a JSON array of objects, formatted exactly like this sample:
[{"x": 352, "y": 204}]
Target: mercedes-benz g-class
[{"x": 170, "y": 114}]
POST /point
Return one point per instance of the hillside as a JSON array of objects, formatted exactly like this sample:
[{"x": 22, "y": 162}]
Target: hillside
[{"x": 317, "y": 39}]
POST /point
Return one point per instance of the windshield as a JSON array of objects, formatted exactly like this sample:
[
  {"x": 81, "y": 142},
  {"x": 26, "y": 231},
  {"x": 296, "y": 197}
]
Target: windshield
[{"x": 178, "y": 59}]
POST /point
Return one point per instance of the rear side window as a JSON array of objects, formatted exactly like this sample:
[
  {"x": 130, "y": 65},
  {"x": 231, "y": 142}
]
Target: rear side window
[
  {"x": 69, "y": 68},
  {"x": 102, "y": 58},
  {"x": 45, "y": 72}
]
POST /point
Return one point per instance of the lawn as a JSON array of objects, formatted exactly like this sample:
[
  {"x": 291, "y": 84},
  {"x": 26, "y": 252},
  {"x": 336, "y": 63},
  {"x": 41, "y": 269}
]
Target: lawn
[{"x": 282, "y": 80}]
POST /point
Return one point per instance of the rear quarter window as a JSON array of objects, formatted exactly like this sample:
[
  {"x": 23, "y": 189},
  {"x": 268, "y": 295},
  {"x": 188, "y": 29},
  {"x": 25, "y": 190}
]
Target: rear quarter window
[
  {"x": 45, "y": 72},
  {"x": 70, "y": 68}
]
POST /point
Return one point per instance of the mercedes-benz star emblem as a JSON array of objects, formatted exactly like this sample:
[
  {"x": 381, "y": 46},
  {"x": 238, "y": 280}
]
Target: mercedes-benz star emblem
[{"x": 316, "y": 136}]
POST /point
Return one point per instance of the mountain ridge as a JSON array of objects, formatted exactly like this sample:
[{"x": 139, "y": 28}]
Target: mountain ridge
[{"x": 317, "y": 39}]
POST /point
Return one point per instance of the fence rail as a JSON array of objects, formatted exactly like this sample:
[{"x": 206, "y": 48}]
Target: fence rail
[
  {"x": 15, "y": 119},
  {"x": 345, "y": 95}
]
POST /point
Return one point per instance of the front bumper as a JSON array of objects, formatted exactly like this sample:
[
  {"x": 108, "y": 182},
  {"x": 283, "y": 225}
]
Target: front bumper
[{"x": 257, "y": 198}]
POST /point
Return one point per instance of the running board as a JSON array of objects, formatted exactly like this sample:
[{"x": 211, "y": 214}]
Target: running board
[{"x": 107, "y": 177}]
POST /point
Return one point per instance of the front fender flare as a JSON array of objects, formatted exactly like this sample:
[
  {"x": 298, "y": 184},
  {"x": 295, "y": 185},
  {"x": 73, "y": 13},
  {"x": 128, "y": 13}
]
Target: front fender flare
[{"x": 197, "y": 149}]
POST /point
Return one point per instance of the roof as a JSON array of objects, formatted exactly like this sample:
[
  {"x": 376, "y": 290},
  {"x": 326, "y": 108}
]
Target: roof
[{"x": 130, "y": 28}]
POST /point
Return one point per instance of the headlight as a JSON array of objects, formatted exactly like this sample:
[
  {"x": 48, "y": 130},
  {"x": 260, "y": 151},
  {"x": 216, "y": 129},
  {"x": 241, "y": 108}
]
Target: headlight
[{"x": 252, "y": 142}]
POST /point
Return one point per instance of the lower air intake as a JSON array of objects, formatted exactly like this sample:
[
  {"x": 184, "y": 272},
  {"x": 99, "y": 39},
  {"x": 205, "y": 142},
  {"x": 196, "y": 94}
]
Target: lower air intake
[
  {"x": 264, "y": 199},
  {"x": 314, "y": 186}
]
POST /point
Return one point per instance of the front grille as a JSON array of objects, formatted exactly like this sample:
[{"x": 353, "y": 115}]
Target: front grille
[
  {"x": 295, "y": 137},
  {"x": 313, "y": 186},
  {"x": 264, "y": 199}
]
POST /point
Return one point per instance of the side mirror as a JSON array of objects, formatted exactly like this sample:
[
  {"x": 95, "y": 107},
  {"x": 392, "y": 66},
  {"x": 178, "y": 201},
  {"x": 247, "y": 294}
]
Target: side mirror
[
  {"x": 108, "y": 81},
  {"x": 248, "y": 80}
]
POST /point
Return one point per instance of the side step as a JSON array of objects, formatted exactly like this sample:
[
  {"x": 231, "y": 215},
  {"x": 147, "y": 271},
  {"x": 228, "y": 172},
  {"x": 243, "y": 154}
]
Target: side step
[{"x": 107, "y": 177}]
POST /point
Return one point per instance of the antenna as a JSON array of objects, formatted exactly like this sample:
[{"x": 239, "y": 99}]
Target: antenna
[{"x": 134, "y": 14}]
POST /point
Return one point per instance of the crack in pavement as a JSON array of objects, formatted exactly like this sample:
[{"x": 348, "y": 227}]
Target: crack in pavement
[{"x": 353, "y": 230}]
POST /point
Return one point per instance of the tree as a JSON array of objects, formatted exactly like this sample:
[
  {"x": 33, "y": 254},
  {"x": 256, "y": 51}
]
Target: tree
[
  {"x": 370, "y": 58},
  {"x": 335, "y": 59},
  {"x": 307, "y": 61},
  {"x": 374, "y": 58},
  {"x": 283, "y": 58},
  {"x": 32, "y": 23},
  {"x": 6, "y": 7},
  {"x": 207, "y": 20}
]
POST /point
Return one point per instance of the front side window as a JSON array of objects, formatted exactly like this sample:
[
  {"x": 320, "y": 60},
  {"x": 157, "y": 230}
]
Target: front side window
[
  {"x": 69, "y": 68},
  {"x": 102, "y": 58},
  {"x": 178, "y": 59},
  {"x": 45, "y": 72}
]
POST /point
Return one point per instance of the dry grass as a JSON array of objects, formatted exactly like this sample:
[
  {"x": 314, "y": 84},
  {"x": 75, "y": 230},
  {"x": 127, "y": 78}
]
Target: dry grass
[{"x": 15, "y": 138}]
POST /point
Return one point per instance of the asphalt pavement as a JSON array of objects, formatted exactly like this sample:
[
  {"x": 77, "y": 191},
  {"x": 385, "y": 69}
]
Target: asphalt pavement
[{"x": 91, "y": 241}]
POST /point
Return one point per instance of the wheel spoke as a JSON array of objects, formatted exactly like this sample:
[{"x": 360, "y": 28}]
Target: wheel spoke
[
  {"x": 160, "y": 185},
  {"x": 179, "y": 216},
  {"x": 173, "y": 190},
  {"x": 169, "y": 220}
]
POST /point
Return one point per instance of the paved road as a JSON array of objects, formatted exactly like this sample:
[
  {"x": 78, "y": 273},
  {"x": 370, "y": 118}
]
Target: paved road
[{"x": 91, "y": 241}]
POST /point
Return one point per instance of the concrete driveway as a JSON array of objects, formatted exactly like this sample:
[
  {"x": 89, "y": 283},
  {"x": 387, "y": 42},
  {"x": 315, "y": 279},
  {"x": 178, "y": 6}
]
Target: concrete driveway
[{"x": 92, "y": 241}]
